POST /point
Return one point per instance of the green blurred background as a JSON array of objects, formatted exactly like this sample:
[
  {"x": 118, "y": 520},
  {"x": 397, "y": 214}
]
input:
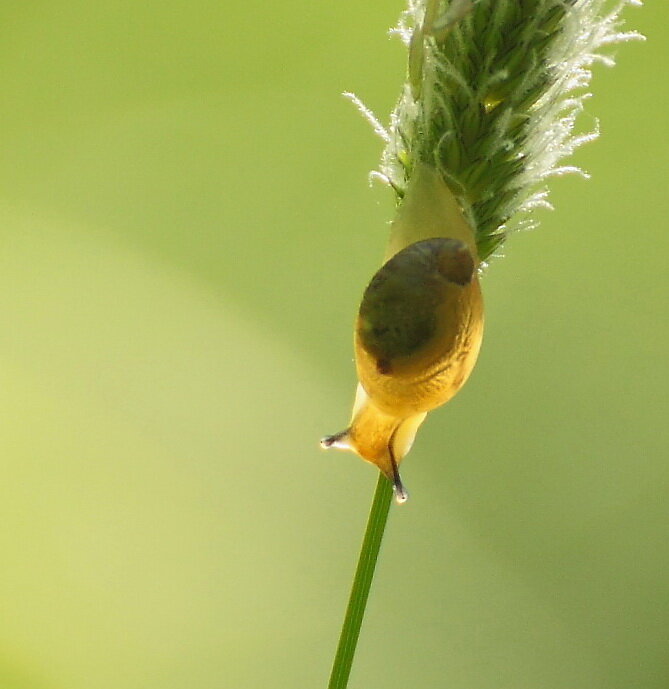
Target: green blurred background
[{"x": 185, "y": 231}]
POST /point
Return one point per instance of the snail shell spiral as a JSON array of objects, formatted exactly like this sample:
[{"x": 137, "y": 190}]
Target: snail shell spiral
[{"x": 419, "y": 327}]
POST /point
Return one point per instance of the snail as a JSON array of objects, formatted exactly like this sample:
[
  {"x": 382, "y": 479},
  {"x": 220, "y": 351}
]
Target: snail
[{"x": 419, "y": 327}]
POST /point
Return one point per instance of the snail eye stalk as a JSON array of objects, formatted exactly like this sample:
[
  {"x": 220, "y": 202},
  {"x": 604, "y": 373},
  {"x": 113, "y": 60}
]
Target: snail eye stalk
[{"x": 400, "y": 492}]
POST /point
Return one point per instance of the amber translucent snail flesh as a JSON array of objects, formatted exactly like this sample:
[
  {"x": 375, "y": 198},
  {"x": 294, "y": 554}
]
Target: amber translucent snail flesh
[{"x": 419, "y": 326}]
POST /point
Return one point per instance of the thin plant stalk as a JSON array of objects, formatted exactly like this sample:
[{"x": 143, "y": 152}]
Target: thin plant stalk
[{"x": 364, "y": 573}]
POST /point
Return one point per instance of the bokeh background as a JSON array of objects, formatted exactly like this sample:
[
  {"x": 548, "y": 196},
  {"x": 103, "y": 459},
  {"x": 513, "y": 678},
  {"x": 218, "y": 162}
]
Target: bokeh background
[{"x": 185, "y": 231}]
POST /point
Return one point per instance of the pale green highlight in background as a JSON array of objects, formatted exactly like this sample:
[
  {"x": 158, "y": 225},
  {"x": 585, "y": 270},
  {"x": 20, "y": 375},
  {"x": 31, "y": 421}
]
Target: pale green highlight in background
[{"x": 185, "y": 232}]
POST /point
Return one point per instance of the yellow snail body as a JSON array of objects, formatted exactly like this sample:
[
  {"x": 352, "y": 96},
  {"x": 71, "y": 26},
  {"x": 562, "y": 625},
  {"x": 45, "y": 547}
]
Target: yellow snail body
[{"x": 419, "y": 327}]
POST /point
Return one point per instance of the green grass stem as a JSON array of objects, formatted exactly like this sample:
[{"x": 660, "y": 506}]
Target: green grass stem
[{"x": 364, "y": 573}]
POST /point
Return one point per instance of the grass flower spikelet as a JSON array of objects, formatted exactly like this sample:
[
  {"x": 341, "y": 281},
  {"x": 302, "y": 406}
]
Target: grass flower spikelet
[{"x": 493, "y": 92}]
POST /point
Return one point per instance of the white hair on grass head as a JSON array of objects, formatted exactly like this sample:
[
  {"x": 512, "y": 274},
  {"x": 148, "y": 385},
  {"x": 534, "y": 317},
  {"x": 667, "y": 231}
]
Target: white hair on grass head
[{"x": 493, "y": 94}]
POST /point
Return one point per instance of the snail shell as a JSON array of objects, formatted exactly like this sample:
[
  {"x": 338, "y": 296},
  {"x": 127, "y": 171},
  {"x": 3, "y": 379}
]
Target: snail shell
[{"x": 419, "y": 327}]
